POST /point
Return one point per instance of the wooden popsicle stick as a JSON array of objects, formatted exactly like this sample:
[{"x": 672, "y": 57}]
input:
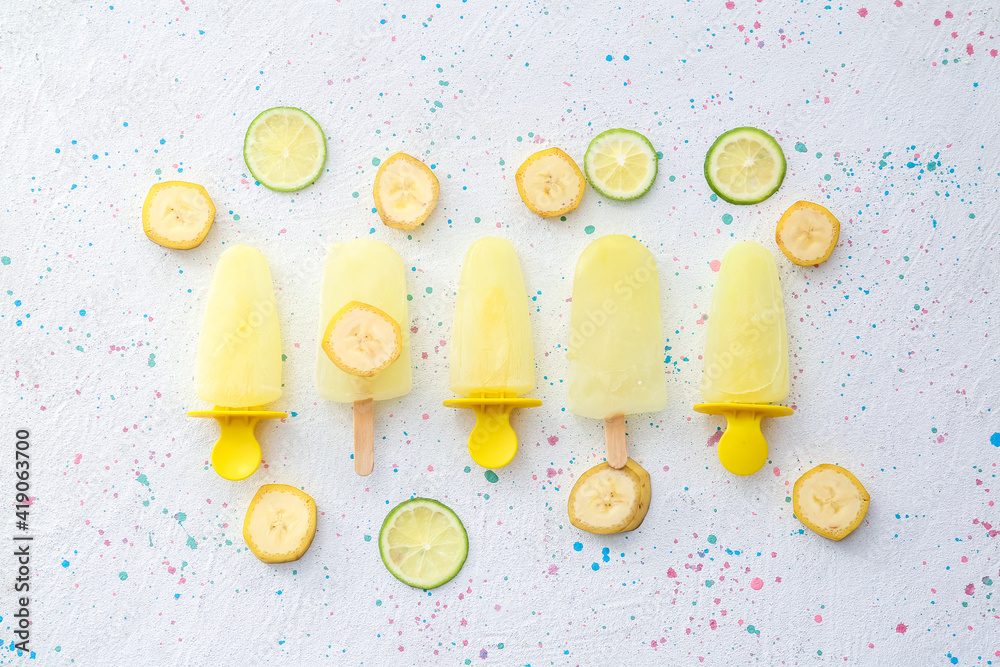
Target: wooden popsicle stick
[
  {"x": 614, "y": 438},
  {"x": 364, "y": 436}
]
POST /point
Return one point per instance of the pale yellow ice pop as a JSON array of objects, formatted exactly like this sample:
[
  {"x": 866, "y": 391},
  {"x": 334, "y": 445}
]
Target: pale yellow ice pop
[
  {"x": 238, "y": 368},
  {"x": 746, "y": 354},
  {"x": 370, "y": 272},
  {"x": 616, "y": 347},
  {"x": 492, "y": 363}
]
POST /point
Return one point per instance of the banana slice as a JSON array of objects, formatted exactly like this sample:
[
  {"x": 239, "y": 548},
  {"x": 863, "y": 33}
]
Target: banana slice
[
  {"x": 830, "y": 501},
  {"x": 280, "y": 523},
  {"x": 605, "y": 500},
  {"x": 550, "y": 183},
  {"x": 362, "y": 340},
  {"x": 807, "y": 233},
  {"x": 406, "y": 191},
  {"x": 177, "y": 214}
]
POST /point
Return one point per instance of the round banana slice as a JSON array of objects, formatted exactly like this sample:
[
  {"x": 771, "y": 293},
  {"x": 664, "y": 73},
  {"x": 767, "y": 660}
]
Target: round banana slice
[
  {"x": 362, "y": 340},
  {"x": 830, "y": 501},
  {"x": 177, "y": 214},
  {"x": 280, "y": 523},
  {"x": 605, "y": 500},
  {"x": 550, "y": 183},
  {"x": 807, "y": 233},
  {"x": 406, "y": 191}
]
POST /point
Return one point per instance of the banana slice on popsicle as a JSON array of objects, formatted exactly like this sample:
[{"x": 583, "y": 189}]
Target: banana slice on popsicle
[{"x": 362, "y": 340}]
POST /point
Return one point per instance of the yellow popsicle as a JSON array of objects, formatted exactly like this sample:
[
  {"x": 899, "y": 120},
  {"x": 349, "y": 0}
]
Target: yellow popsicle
[
  {"x": 616, "y": 347},
  {"x": 369, "y": 272},
  {"x": 492, "y": 363},
  {"x": 746, "y": 354},
  {"x": 238, "y": 367}
]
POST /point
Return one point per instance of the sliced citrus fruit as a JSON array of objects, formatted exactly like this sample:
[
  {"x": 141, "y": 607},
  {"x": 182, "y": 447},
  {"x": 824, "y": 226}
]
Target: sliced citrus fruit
[
  {"x": 830, "y": 501},
  {"x": 550, "y": 183},
  {"x": 280, "y": 523},
  {"x": 362, "y": 340},
  {"x": 745, "y": 166},
  {"x": 285, "y": 149},
  {"x": 406, "y": 191},
  {"x": 423, "y": 543},
  {"x": 807, "y": 233},
  {"x": 608, "y": 500},
  {"x": 177, "y": 214},
  {"x": 620, "y": 164}
]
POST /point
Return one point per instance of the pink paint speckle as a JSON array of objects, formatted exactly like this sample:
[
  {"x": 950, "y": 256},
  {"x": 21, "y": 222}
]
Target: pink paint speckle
[
  {"x": 970, "y": 589},
  {"x": 671, "y": 573},
  {"x": 898, "y": 3},
  {"x": 552, "y": 440},
  {"x": 715, "y": 265},
  {"x": 714, "y": 440},
  {"x": 777, "y": 471},
  {"x": 730, "y": 5},
  {"x": 968, "y": 49},
  {"x": 901, "y": 629},
  {"x": 818, "y": 618},
  {"x": 79, "y": 457},
  {"x": 862, "y": 12},
  {"x": 757, "y": 584},
  {"x": 949, "y": 15}
]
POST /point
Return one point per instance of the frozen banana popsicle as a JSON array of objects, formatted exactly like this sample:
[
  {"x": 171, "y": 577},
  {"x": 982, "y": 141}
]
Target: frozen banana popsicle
[
  {"x": 492, "y": 364},
  {"x": 364, "y": 350},
  {"x": 616, "y": 338},
  {"x": 238, "y": 367},
  {"x": 746, "y": 355}
]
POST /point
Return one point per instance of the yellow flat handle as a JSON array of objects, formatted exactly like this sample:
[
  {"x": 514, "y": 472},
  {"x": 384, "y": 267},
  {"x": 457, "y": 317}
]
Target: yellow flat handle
[
  {"x": 492, "y": 442},
  {"x": 743, "y": 448},
  {"x": 236, "y": 454}
]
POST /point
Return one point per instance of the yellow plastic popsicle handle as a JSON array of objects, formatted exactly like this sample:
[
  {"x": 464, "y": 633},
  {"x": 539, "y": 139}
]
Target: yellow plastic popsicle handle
[
  {"x": 492, "y": 442},
  {"x": 236, "y": 454},
  {"x": 742, "y": 448}
]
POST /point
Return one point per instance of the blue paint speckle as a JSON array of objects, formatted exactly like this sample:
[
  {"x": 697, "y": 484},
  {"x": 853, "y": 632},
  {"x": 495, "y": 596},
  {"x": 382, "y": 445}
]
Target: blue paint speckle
[{"x": 577, "y": 546}]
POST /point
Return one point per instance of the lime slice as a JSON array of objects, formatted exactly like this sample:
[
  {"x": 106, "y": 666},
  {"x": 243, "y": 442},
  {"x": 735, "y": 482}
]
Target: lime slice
[
  {"x": 620, "y": 164},
  {"x": 285, "y": 149},
  {"x": 423, "y": 543},
  {"x": 745, "y": 166}
]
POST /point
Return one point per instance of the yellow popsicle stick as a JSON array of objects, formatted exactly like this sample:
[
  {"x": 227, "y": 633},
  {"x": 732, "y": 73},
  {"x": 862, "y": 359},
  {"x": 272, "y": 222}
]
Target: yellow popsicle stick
[
  {"x": 236, "y": 454},
  {"x": 742, "y": 448},
  {"x": 492, "y": 442}
]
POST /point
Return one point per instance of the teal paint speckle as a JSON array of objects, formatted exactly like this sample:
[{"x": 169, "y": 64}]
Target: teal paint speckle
[
  {"x": 5, "y": 260},
  {"x": 368, "y": 538},
  {"x": 181, "y": 517},
  {"x": 712, "y": 539},
  {"x": 800, "y": 147},
  {"x": 376, "y": 162},
  {"x": 191, "y": 543},
  {"x": 152, "y": 360},
  {"x": 123, "y": 575},
  {"x": 589, "y": 229},
  {"x": 491, "y": 477},
  {"x": 468, "y": 469},
  {"x": 727, "y": 219},
  {"x": 142, "y": 479}
]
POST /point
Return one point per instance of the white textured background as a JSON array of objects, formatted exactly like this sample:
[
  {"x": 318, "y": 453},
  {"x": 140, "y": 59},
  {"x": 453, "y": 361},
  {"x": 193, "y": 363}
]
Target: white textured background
[{"x": 887, "y": 113}]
